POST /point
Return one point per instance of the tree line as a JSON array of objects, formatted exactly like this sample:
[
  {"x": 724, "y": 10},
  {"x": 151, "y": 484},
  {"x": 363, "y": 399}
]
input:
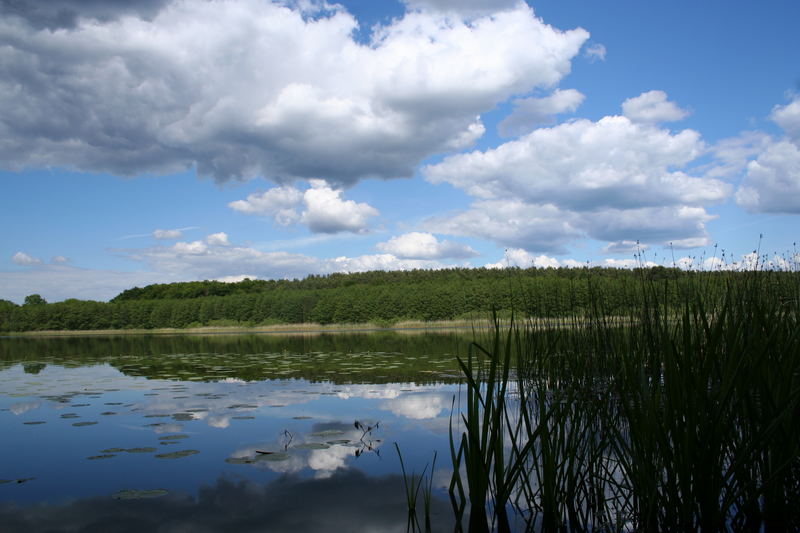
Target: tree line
[{"x": 379, "y": 297}]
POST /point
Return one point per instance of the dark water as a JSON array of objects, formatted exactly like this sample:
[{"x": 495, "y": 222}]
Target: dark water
[{"x": 222, "y": 433}]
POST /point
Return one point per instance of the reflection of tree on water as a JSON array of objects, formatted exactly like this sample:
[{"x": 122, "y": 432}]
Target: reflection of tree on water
[
  {"x": 367, "y": 443},
  {"x": 33, "y": 368},
  {"x": 348, "y": 501}
]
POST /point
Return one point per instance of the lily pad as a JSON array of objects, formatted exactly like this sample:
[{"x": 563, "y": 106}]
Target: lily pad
[
  {"x": 70, "y": 415},
  {"x": 103, "y": 456},
  {"x": 183, "y": 417},
  {"x": 86, "y": 423},
  {"x": 238, "y": 460},
  {"x": 243, "y": 417},
  {"x": 108, "y": 413},
  {"x": 174, "y": 437},
  {"x": 327, "y": 433},
  {"x": 112, "y": 450},
  {"x": 34, "y": 422},
  {"x": 135, "y": 494},
  {"x": 141, "y": 450},
  {"x": 177, "y": 455},
  {"x": 311, "y": 446},
  {"x": 301, "y": 418}
]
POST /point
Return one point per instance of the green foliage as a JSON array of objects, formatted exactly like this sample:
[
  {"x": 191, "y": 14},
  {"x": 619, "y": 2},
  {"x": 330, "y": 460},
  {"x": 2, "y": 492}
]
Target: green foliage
[
  {"x": 379, "y": 297},
  {"x": 34, "y": 299},
  {"x": 669, "y": 417}
]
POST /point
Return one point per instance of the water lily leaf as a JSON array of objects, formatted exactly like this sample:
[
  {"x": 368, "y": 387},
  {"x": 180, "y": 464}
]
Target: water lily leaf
[
  {"x": 311, "y": 446},
  {"x": 327, "y": 433},
  {"x": 176, "y": 455},
  {"x": 108, "y": 413},
  {"x": 174, "y": 437},
  {"x": 34, "y": 422},
  {"x": 183, "y": 417},
  {"x": 86, "y": 423},
  {"x": 243, "y": 417},
  {"x": 70, "y": 415},
  {"x": 103, "y": 456},
  {"x": 301, "y": 418},
  {"x": 135, "y": 494},
  {"x": 147, "y": 449}
]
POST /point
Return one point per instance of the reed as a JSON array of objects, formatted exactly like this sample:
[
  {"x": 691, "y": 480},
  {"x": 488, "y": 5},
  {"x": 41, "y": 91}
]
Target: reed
[{"x": 674, "y": 417}]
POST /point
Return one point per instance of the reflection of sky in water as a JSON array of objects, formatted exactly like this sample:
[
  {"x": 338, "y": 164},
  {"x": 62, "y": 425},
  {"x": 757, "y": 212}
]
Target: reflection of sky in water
[{"x": 233, "y": 433}]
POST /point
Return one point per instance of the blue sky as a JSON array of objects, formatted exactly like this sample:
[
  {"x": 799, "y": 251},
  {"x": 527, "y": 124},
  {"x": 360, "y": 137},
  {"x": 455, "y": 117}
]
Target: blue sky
[{"x": 160, "y": 140}]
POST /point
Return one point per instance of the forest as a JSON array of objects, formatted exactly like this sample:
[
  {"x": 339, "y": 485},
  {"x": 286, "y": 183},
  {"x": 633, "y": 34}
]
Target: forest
[{"x": 378, "y": 297}]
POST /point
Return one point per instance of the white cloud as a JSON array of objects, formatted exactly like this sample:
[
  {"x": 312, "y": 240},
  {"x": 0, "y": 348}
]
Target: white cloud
[
  {"x": 595, "y": 52},
  {"x": 327, "y": 212},
  {"x": 613, "y": 180},
  {"x": 624, "y": 247},
  {"x": 167, "y": 234},
  {"x": 59, "y": 259},
  {"x": 280, "y": 203},
  {"x": 517, "y": 257},
  {"x": 364, "y": 263},
  {"x": 323, "y": 208},
  {"x": 511, "y": 223},
  {"x": 218, "y": 239},
  {"x": 289, "y": 95},
  {"x": 772, "y": 181},
  {"x": 788, "y": 118},
  {"x": 464, "y": 7},
  {"x": 652, "y": 106},
  {"x": 530, "y": 112},
  {"x": 419, "y": 406},
  {"x": 23, "y": 259},
  {"x": 417, "y": 245},
  {"x": 237, "y": 278},
  {"x": 627, "y": 263}
]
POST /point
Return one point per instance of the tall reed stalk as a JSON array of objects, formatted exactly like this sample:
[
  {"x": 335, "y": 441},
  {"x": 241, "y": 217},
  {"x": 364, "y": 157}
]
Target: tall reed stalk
[{"x": 671, "y": 418}]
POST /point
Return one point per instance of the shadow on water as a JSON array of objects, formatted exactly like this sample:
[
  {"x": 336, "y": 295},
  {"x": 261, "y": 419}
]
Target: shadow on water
[{"x": 349, "y": 501}]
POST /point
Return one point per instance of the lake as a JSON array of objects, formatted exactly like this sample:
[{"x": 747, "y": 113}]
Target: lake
[{"x": 223, "y": 432}]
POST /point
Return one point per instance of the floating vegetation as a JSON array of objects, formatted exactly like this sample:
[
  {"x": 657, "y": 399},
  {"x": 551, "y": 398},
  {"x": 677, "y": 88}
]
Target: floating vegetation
[
  {"x": 311, "y": 446},
  {"x": 80, "y": 405},
  {"x": 327, "y": 433},
  {"x": 174, "y": 437},
  {"x": 70, "y": 415},
  {"x": 183, "y": 417},
  {"x": 136, "y": 494},
  {"x": 103, "y": 456},
  {"x": 34, "y": 422},
  {"x": 85, "y": 423},
  {"x": 112, "y": 450},
  {"x": 17, "y": 481},
  {"x": 302, "y": 418},
  {"x": 146, "y": 449},
  {"x": 243, "y": 418},
  {"x": 176, "y": 455},
  {"x": 108, "y": 413}
]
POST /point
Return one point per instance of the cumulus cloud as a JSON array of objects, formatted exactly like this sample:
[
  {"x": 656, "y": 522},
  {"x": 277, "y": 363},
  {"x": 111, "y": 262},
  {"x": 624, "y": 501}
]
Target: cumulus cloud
[
  {"x": 614, "y": 179},
  {"x": 327, "y": 212},
  {"x": 652, "y": 106},
  {"x": 218, "y": 239},
  {"x": 59, "y": 260},
  {"x": 323, "y": 208},
  {"x": 464, "y": 7},
  {"x": 624, "y": 247},
  {"x": 364, "y": 263},
  {"x": 23, "y": 259},
  {"x": 419, "y": 406},
  {"x": 530, "y": 112},
  {"x": 280, "y": 203},
  {"x": 167, "y": 234},
  {"x": 517, "y": 257},
  {"x": 289, "y": 95},
  {"x": 417, "y": 245},
  {"x": 61, "y": 14},
  {"x": 772, "y": 180}
]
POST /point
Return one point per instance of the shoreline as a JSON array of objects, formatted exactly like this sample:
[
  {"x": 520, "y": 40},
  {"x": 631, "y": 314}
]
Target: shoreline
[{"x": 275, "y": 329}]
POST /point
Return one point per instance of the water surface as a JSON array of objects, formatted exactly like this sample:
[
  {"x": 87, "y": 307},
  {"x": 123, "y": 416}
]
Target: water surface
[{"x": 208, "y": 433}]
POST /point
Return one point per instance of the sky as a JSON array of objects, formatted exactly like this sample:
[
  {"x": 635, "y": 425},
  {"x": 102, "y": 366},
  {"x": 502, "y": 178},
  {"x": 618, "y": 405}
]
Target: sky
[{"x": 153, "y": 141}]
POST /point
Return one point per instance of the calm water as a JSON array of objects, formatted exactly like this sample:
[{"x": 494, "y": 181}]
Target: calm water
[{"x": 212, "y": 433}]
